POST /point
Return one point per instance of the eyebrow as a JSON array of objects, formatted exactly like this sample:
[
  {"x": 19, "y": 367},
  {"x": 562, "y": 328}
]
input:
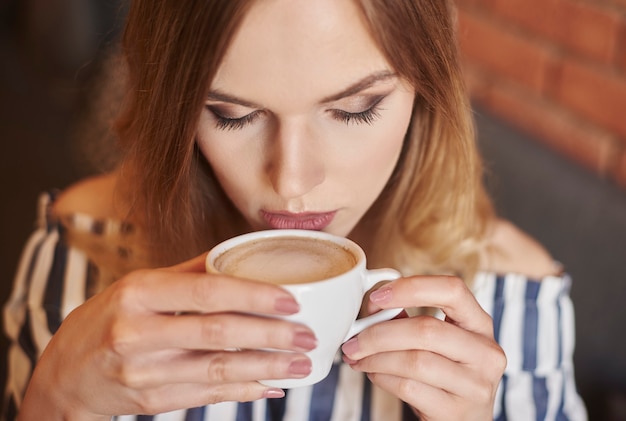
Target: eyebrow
[
  {"x": 361, "y": 85},
  {"x": 220, "y": 96},
  {"x": 353, "y": 89}
]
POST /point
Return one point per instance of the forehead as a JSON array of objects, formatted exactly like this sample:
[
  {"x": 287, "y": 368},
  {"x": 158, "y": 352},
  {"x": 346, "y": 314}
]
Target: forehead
[{"x": 308, "y": 48}]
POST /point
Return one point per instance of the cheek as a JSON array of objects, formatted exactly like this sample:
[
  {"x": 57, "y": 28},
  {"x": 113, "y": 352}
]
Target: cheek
[
  {"x": 378, "y": 165},
  {"x": 219, "y": 149},
  {"x": 376, "y": 162},
  {"x": 233, "y": 174}
]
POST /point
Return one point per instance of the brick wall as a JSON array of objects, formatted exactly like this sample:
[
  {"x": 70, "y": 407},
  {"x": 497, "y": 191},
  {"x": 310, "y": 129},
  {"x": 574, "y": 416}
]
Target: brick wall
[{"x": 555, "y": 68}]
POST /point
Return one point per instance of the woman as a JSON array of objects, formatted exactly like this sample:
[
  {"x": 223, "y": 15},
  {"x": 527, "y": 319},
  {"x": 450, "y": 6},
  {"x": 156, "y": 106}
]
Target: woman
[{"x": 343, "y": 116}]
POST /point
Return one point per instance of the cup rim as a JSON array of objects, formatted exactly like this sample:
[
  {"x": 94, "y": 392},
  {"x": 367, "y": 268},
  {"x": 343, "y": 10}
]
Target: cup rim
[{"x": 344, "y": 242}]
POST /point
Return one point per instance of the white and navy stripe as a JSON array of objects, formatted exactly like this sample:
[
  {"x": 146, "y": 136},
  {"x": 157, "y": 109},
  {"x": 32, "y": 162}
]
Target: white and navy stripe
[{"x": 533, "y": 322}]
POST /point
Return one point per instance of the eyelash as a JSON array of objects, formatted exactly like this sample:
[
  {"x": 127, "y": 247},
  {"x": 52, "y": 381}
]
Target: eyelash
[
  {"x": 225, "y": 123},
  {"x": 364, "y": 117},
  {"x": 368, "y": 116}
]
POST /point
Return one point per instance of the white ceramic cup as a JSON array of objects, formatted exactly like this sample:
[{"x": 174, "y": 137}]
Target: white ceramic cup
[{"x": 329, "y": 307}]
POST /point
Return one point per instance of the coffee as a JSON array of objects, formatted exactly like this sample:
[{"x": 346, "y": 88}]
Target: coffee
[{"x": 286, "y": 260}]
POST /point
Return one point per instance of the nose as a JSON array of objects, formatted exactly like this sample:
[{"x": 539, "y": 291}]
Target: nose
[{"x": 295, "y": 165}]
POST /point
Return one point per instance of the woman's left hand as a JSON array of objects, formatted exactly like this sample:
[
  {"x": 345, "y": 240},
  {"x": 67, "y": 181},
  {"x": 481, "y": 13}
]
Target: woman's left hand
[{"x": 445, "y": 369}]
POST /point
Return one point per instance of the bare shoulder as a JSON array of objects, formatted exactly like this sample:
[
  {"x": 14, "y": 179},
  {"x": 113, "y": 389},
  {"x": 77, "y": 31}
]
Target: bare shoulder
[
  {"x": 93, "y": 196},
  {"x": 511, "y": 250}
]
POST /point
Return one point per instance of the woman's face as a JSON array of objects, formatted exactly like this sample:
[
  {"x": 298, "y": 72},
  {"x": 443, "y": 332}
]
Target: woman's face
[{"x": 305, "y": 118}]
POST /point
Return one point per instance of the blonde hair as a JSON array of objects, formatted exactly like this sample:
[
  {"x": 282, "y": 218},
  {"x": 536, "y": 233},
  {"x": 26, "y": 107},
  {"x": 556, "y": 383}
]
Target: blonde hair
[
  {"x": 434, "y": 213},
  {"x": 431, "y": 216}
]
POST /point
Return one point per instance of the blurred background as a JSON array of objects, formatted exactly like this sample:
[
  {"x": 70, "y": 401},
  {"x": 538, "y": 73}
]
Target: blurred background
[{"x": 548, "y": 82}]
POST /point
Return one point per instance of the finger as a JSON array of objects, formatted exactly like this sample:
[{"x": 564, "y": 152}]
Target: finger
[
  {"x": 448, "y": 293},
  {"x": 178, "y": 396},
  {"x": 214, "y": 368},
  {"x": 427, "y": 400},
  {"x": 211, "y": 332},
  {"x": 432, "y": 403},
  {"x": 162, "y": 291},
  {"x": 425, "y": 333},
  {"x": 424, "y": 367}
]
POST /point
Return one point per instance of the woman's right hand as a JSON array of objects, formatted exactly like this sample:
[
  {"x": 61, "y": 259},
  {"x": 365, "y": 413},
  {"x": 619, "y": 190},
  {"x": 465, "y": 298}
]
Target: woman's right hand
[{"x": 160, "y": 340}]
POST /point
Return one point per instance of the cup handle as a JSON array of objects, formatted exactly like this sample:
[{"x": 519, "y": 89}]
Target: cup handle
[{"x": 373, "y": 277}]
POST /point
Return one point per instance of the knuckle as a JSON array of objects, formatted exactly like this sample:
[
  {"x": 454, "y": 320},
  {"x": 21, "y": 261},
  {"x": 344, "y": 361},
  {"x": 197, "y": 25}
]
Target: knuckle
[
  {"x": 203, "y": 293},
  {"x": 406, "y": 388},
  {"x": 490, "y": 379},
  {"x": 428, "y": 328},
  {"x": 119, "y": 346},
  {"x": 414, "y": 362},
  {"x": 456, "y": 288},
  {"x": 217, "y": 370},
  {"x": 121, "y": 339},
  {"x": 242, "y": 392},
  {"x": 216, "y": 395},
  {"x": 499, "y": 360},
  {"x": 117, "y": 342},
  {"x": 213, "y": 331},
  {"x": 281, "y": 334},
  {"x": 484, "y": 391},
  {"x": 277, "y": 365},
  {"x": 130, "y": 378},
  {"x": 494, "y": 358},
  {"x": 149, "y": 403},
  {"x": 126, "y": 289}
]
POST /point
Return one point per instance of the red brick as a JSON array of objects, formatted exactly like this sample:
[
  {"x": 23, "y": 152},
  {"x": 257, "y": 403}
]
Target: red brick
[
  {"x": 620, "y": 51},
  {"x": 590, "y": 146},
  {"x": 493, "y": 47},
  {"x": 618, "y": 3},
  {"x": 584, "y": 28},
  {"x": 597, "y": 94},
  {"x": 588, "y": 29},
  {"x": 535, "y": 16}
]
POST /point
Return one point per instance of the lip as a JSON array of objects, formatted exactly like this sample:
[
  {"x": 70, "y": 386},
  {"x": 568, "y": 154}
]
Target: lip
[{"x": 315, "y": 221}]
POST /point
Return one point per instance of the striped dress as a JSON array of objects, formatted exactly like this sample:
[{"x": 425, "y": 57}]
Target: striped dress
[{"x": 533, "y": 322}]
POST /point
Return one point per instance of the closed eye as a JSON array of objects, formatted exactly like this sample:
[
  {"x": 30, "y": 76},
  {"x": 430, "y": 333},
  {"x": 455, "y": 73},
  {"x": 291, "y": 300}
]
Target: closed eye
[
  {"x": 229, "y": 123},
  {"x": 368, "y": 116}
]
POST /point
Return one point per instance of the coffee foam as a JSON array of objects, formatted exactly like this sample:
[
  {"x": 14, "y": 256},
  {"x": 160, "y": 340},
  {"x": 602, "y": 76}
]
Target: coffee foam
[{"x": 286, "y": 260}]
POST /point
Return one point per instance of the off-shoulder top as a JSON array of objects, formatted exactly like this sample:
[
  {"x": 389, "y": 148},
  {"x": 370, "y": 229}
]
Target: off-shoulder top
[{"x": 533, "y": 322}]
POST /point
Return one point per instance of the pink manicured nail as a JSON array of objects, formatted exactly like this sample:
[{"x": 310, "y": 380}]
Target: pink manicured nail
[
  {"x": 300, "y": 367},
  {"x": 381, "y": 295},
  {"x": 286, "y": 305},
  {"x": 274, "y": 393},
  {"x": 305, "y": 340},
  {"x": 351, "y": 346},
  {"x": 347, "y": 360}
]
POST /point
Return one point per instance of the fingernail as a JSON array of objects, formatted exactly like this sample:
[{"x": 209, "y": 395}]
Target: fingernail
[
  {"x": 286, "y": 305},
  {"x": 305, "y": 340},
  {"x": 348, "y": 360},
  {"x": 274, "y": 393},
  {"x": 300, "y": 367},
  {"x": 381, "y": 295},
  {"x": 351, "y": 347}
]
